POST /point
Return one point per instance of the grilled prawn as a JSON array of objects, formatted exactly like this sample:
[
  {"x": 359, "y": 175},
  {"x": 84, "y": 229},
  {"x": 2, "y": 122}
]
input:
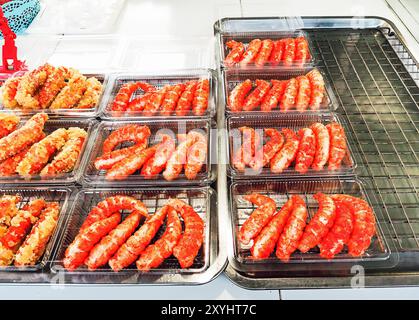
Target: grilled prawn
[
  {"x": 200, "y": 101},
  {"x": 320, "y": 224},
  {"x": 259, "y": 218},
  {"x": 277, "y": 52},
  {"x": 184, "y": 104},
  {"x": 251, "y": 52},
  {"x": 157, "y": 162},
  {"x": 302, "y": 100},
  {"x": 155, "y": 101},
  {"x": 289, "y": 96},
  {"x": 306, "y": 150},
  {"x": 317, "y": 88},
  {"x": 322, "y": 146},
  {"x": 338, "y": 147},
  {"x": 238, "y": 94},
  {"x": 287, "y": 154},
  {"x": 302, "y": 53},
  {"x": 246, "y": 152},
  {"x": 131, "y": 132},
  {"x": 274, "y": 96},
  {"x": 196, "y": 156},
  {"x": 235, "y": 54},
  {"x": 171, "y": 98},
  {"x": 269, "y": 150},
  {"x": 8, "y": 208},
  {"x": 255, "y": 98},
  {"x": 108, "y": 160},
  {"x": 124, "y": 94},
  {"x": 264, "y": 52},
  {"x": 289, "y": 51}
]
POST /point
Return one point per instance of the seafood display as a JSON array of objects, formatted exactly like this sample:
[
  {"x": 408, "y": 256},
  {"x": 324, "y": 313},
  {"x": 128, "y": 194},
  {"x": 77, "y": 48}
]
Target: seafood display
[
  {"x": 49, "y": 87},
  {"x": 108, "y": 239},
  {"x": 164, "y": 158},
  {"x": 286, "y": 51},
  {"x": 26, "y": 230},
  {"x": 180, "y": 99},
  {"x": 28, "y": 151},
  {"x": 340, "y": 220},
  {"x": 312, "y": 147},
  {"x": 303, "y": 93}
]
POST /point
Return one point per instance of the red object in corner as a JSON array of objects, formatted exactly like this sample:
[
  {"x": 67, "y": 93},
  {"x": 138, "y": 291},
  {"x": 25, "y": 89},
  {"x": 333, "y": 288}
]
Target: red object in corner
[{"x": 10, "y": 64}]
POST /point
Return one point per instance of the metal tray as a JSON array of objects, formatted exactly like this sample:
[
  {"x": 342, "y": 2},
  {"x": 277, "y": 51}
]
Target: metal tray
[
  {"x": 159, "y": 81},
  {"x": 64, "y": 178},
  {"x": 92, "y": 176},
  {"x": 57, "y": 194},
  {"x": 294, "y": 122},
  {"x": 377, "y": 254},
  {"x": 246, "y": 37},
  {"x": 64, "y": 113},
  {"x": 232, "y": 77},
  {"x": 202, "y": 199}
]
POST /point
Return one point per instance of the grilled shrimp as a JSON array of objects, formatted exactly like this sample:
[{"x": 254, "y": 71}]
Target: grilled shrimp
[
  {"x": 306, "y": 150},
  {"x": 320, "y": 224},
  {"x": 304, "y": 92},
  {"x": 264, "y": 52},
  {"x": 8, "y": 208},
  {"x": 91, "y": 96},
  {"x": 23, "y": 137},
  {"x": 155, "y": 254},
  {"x": 184, "y": 104},
  {"x": 108, "y": 160},
  {"x": 265, "y": 242},
  {"x": 289, "y": 96},
  {"x": 259, "y": 218},
  {"x": 339, "y": 234},
  {"x": 268, "y": 151},
  {"x": 255, "y": 98},
  {"x": 317, "y": 88},
  {"x": 235, "y": 54},
  {"x": 338, "y": 147},
  {"x": 66, "y": 159},
  {"x": 251, "y": 52},
  {"x": 246, "y": 152},
  {"x": 293, "y": 230},
  {"x": 124, "y": 94},
  {"x": 238, "y": 94},
  {"x": 40, "y": 153},
  {"x": 77, "y": 252},
  {"x": 105, "y": 249},
  {"x": 157, "y": 162},
  {"x": 277, "y": 52},
  {"x": 287, "y": 154},
  {"x": 322, "y": 146},
  {"x": 195, "y": 157},
  {"x": 8, "y": 93},
  {"x": 105, "y": 208},
  {"x": 155, "y": 101},
  {"x": 136, "y": 244},
  {"x": 55, "y": 81},
  {"x": 131, "y": 132},
  {"x": 138, "y": 104},
  {"x": 8, "y": 124},
  {"x": 35, "y": 243},
  {"x": 71, "y": 94},
  {"x": 29, "y": 85},
  {"x": 274, "y": 96},
  {"x": 364, "y": 223},
  {"x": 302, "y": 53},
  {"x": 171, "y": 98},
  {"x": 190, "y": 242},
  {"x": 200, "y": 101},
  {"x": 289, "y": 51}
]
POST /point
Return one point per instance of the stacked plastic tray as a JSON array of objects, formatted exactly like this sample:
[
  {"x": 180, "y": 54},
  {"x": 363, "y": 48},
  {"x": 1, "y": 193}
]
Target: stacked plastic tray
[{"x": 281, "y": 186}]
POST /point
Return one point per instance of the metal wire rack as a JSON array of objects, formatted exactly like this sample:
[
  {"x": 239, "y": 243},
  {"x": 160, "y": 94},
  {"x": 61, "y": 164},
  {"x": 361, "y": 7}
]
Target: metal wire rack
[{"x": 376, "y": 84}]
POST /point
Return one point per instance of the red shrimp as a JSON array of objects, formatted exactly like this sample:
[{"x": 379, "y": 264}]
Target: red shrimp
[
  {"x": 251, "y": 52},
  {"x": 317, "y": 88},
  {"x": 302, "y": 53},
  {"x": 235, "y": 54},
  {"x": 157, "y": 162},
  {"x": 129, "y": 132},
  {"x": 287, "y": 154},
  {"x": 364, "y": 223},
  {"x": 277, "y": 52},
  {"x": 195, "y": 158},
  {"x": 267, "y": 239},
  {"x": 108, "y": 160},
  {"x": 238, "y": 94},
  {"x": 155, "y": 101},
  {"x": 255, "y": 98},
  {"x": 200, "y": 101},
  {"x": 268, "y": 151},
  {"x": 259, "y": 218},
  {"x": 171, "y": 98},
  {"x": 138, "y": 104},
  {"x": 322, "y": 146},
  {"x": 306, "y": 150},
  {"x": 274, "y": 96},
  {"x": 289, "y": 96},
  {"x": 184, "y": 104},
  {"x": 289, "y": 51},
  {"x": 264, "y": 52},
  {"x": 293, "y": 230},
  {"x": 338, "y": 147},
  {"x": 320, "y": 224},
  {"x": 304, "y": 92}
]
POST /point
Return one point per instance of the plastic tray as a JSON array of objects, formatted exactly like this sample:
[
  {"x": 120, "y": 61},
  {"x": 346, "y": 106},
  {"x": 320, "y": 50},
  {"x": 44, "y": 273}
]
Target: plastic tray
[
  {"x": 201, "y": 199},
  {"x": 92, "y": 176},
  {"x": 240, "y": 209},
  {"x": 58, "y": 194},
  {"x": 159, "y": 81},
  {"x": 294, "y": 122},
  {"x": 246, "y": 37},
  {"x": 64, "y": 113},
  {"x": 233, "y": 77},
  {"x": 64, "y": 178}
]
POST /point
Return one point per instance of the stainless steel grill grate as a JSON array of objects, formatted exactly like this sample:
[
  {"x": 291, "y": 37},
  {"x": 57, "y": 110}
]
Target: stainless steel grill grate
[{"x": 376, "y": 84}]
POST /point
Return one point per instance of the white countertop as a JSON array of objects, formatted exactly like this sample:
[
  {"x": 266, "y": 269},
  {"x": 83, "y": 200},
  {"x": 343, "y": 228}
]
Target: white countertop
[{"x": 166, "y": 24}]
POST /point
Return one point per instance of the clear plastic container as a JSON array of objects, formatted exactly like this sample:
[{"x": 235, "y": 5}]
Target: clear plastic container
[
  {"x": 377, "y": 255},
  {"x": 159, "y": 81},
  {"x": 92, "y": 176},
  {"x": 291, "y": 121},
  {"x": 64, "y": 113},
  {"x": 203, "y": 200},
  {"x": 61, "y": 195},
  {"x": 232, "y": 77},
  {"x": 246, "y": 37},
  {"x": 64, "y": 178}
]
